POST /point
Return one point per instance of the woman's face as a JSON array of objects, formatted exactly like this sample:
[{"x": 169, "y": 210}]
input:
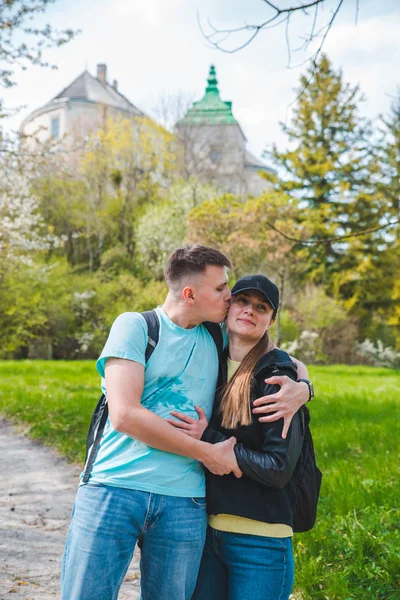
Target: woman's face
[{"x": 249, "y": 315}]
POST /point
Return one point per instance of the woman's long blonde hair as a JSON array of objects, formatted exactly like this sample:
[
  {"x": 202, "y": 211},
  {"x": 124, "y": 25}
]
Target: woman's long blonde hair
[{"x": 235, "y": 406}]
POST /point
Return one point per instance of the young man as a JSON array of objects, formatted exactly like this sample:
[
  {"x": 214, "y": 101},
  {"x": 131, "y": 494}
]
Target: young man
[{"x": 147, "y": 483}]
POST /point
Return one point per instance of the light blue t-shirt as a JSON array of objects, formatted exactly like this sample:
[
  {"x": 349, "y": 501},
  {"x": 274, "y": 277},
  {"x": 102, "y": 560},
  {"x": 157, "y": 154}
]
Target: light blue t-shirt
[{"x": 180, "y": 374}]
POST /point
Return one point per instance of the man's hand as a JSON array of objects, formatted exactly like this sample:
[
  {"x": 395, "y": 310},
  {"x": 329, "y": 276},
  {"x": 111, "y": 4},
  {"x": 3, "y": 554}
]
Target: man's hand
[
  {"x": 193, "y": 427},
  {"x": 283, "y": 404},
  {"x": 221, "y": 459}
]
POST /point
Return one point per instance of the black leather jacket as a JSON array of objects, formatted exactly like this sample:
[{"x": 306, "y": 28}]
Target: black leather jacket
[{"x": 266, "y": 492}]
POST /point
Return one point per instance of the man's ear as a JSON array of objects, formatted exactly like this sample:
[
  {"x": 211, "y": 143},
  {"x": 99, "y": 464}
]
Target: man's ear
[{"x": 188, "y": 294}]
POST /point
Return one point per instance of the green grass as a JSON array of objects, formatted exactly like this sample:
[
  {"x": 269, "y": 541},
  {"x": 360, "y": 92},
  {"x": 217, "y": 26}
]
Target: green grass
[
  {"x": 54, "y": 399},
  {"x": 354, "y": 551}
]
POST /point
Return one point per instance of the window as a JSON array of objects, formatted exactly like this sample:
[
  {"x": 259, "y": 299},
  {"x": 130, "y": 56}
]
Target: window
[
  {"x": 55, "y": 128},
  {"x": 215, "y": 155}
]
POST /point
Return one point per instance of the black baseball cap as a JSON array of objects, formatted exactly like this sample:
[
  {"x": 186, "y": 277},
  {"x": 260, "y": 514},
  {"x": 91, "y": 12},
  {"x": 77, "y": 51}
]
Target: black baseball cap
[{"x": 260, "y": 283}]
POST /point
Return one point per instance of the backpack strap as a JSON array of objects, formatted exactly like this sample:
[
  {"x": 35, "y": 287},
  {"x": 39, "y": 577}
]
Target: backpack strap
[
  {"x": 153, "y": 332},
  {"x": 215, "y": 331},
  {"x": 100, "y": 414}
]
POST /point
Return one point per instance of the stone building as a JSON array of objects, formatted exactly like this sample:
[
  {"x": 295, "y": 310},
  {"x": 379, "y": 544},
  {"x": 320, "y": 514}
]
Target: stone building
[
  {"x": 213, "y": 143},
  {"x": 79, "y": 108}
]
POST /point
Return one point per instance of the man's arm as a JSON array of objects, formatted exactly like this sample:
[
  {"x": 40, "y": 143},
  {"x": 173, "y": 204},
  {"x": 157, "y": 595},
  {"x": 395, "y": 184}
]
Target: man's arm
[
  {"x": 124, "y": 383},
  {"x": 285, "y": 403}
]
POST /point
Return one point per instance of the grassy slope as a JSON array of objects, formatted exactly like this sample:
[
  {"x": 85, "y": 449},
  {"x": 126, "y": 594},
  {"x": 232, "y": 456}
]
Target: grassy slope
[
  {"x": 54, "y": 398},
  {"x": 354, "y": 551}
]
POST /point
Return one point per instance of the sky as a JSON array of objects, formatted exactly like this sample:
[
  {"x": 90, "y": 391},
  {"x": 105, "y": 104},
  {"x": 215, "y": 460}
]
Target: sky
[{"x": 155, "y": 48}]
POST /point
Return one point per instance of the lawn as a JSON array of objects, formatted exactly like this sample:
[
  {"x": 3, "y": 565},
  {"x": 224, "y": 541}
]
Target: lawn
[{"x": 354, "y": 550}]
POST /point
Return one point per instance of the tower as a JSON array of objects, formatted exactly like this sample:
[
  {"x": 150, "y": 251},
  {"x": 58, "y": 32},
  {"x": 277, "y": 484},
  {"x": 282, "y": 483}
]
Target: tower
[{"x": 212, "y": 140}]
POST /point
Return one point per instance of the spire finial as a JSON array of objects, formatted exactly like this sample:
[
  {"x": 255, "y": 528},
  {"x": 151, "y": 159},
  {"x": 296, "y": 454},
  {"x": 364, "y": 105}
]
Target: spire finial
[
  {"x": 212, "y": 81},
  {"x": 210, "y": 110}
]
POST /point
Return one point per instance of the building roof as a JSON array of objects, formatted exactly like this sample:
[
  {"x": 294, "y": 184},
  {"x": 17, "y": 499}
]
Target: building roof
[
  {"x": 91, "y": 89},
  {"x": 210, "y": 110},
  {"x": 252, "y": 162},
  {"x": 86, "y": 88}
]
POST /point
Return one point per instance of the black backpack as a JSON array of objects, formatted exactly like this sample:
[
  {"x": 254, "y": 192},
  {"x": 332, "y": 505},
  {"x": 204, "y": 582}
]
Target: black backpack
[
  {"x": 99, "y": 417},
  {"x": 308, "y": 480}
]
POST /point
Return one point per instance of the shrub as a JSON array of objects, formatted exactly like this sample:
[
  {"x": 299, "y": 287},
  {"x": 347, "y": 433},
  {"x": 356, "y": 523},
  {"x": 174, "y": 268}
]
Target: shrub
[
  {"x": 378, "y": 355},
  {"x": 328, "y": 334}
]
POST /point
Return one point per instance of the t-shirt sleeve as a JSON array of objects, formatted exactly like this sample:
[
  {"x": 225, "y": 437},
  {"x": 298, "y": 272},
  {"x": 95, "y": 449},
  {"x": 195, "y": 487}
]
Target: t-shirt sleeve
[{"x": 127, "y": 339}]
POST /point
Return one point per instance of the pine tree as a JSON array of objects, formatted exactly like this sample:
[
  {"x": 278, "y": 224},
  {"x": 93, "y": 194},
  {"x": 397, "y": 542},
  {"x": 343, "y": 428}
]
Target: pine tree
[
  {"x": 328, "y": 167},
  {"x": 371, "y": 288},
  {"x": 389, "y": 180}
]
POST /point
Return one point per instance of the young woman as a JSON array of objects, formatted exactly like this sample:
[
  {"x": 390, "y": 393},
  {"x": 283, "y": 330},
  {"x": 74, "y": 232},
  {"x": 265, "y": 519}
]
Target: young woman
[{"x": 248, "y": 552}]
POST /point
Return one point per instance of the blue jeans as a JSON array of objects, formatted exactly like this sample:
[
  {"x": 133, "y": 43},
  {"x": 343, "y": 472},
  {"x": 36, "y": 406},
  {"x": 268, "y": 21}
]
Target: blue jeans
[
  {"x": 106, "y": 524},
  {"x": 235, "y": 566}
]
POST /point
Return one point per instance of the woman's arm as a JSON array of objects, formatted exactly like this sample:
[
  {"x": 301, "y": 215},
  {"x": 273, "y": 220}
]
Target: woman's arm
[{"x": 274, "y": 463}]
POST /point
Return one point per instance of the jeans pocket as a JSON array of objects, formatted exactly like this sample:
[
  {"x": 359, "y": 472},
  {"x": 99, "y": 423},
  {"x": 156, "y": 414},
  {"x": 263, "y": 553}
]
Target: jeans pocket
[{"x": 199, "y": 502}]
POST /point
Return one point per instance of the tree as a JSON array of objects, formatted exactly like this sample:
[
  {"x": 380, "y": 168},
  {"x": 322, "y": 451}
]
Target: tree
[
  {"x": 93, "y": 199},
  {"x": 128, "y": 163},
  {"x": 276, "y": 15},
  {"x": 163, "y": 225},
  {"x": 389, "y": 187},
  {"x": 243, "y": 231},
  {"x": 368, "y": 281},
  {"x": 171, "y": 108},
  {"x": 20, "y": 42},
  {"x": 328, "y": 167},
  {"x": 388, "y": 181},
  {"x": 328, "y": 333},
  {"x": 21, "y": 224},
  {"x": 62, "y": 198}
]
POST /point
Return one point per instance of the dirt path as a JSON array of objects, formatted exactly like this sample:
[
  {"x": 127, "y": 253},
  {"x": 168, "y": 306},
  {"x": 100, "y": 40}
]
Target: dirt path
[{"x": 37, "y": 490}]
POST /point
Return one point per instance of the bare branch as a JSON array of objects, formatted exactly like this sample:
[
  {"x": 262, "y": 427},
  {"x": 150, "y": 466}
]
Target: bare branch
[
  {"x": 315, "y": 59},
  {"x": 333, "y": 239},
  {"x": 302, "y": 7},
  {"x": 357, "y": 11},
  {"x": 288, "y": 39},
  {"x": 22, "y": 44},
  {"x": 211, "y": 38},
  {"x": 312, "y": 32},
  {"x": 217, "y": 37}
]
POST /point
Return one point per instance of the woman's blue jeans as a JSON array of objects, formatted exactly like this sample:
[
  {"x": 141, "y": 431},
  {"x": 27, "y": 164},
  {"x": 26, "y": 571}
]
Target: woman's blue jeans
[
  {"x": 106, "y": 524},
  {"x": 235, "y": 566}
]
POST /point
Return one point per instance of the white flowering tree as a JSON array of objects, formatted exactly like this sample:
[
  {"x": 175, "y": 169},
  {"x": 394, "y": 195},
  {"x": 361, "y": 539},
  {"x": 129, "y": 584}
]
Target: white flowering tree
[
  {"x": 22, "y": 228},
  {"x": 20, "y": 222},
  {"x": 22, "y": 236},
  {"x": 378, "y": 355}
]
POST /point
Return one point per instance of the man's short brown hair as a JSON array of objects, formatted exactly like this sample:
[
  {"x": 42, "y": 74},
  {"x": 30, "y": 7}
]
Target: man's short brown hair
[{"x": 191, "y": 260}]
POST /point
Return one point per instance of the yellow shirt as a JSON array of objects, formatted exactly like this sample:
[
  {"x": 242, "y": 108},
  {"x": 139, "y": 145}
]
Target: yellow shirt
[
  {"x": 233, "y": 366},
  {"x": 235, "y": 524}
]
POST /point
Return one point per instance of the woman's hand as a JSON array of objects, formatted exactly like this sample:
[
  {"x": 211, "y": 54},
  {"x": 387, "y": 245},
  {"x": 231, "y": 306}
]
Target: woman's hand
[{"x": 193, "y": 427}]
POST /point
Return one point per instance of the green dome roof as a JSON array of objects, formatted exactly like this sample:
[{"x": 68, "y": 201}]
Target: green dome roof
[{"x": 210, "y": 110}]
